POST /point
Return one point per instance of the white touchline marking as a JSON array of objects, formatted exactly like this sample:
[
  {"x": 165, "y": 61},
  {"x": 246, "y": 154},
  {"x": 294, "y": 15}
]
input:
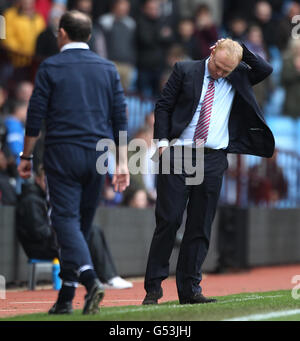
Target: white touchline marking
[
  {"x": 266, "y": 316},
  {"x": 32, "y": 302}
]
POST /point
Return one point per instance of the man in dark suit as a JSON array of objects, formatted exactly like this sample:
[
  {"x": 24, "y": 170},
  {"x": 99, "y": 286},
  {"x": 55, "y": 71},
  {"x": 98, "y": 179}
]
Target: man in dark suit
[
  {"x": 210, "y": 101},
  {"x": 81, "y": 99}
]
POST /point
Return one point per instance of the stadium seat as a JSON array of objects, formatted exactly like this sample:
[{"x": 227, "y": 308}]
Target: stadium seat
[{"x": 33, "y": 269}]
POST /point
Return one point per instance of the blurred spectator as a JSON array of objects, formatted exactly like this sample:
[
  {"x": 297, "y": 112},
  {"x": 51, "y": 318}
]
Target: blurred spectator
[
  {"x": 7, "y": 191},
  {"x": 23, "y": 91},
  {"x": 169, "y": 10},
  {"x": 33, "y": 229},
  {"x": 43, "y": 7},
  {"x": 23, "y": 26},
  {"x": 286, "y": 25},
  {"x": 153, "y": 38},
  {"x": 15, "y": 128},
  {"x": 290, "y": 78},
  {"x": 255, "y": 43},
  {"x": 119, "y": 31},
  {"x": 186, "y": 37},
  {"x": 135, "y": 197},
  {"x": 189, "y": 7},
  {"x": 266, "y": 182},
  {"x": 3, "y": 5},
  {"x": 206, "y": 32},
  {"x": 46, "y": 44},
  {"x": 237, "y": 28},
  {"x": 3, "y": 98},
  {"x": 269, "y": 27},
  {"x": 97, "y": 42},
  {"x": 237, "y": 8}
]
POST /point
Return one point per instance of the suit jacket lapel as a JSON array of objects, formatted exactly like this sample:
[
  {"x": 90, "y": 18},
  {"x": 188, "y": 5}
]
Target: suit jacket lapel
[{"x": 198, "y": 83}]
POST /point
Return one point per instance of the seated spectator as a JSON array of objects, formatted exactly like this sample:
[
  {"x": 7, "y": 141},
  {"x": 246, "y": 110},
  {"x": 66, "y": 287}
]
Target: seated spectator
[
  {"x": 46, "y": 44},
  {"x": 34, "y": 232},
  {"x": 15, "y": 129},
  {"x": 23, "y": 26},
  {"x": 7, "y": 191},
  {"x": 119, "y": 30},
  {"x": 206, "y": 32},
  {"x": 290, "y": 80},
  {"x": 135, "y": 197},
  {"x": 103, "y": 261},
  {"x": 266, "y": 182}
]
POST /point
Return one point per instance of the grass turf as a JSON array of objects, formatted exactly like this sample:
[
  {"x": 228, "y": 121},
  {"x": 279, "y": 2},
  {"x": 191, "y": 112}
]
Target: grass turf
[{"x": 226, "y": 307}]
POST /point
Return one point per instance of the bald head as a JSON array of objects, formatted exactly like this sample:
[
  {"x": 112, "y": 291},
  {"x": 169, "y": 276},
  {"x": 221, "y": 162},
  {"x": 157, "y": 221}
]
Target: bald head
[{"x": 77, "y": 26}]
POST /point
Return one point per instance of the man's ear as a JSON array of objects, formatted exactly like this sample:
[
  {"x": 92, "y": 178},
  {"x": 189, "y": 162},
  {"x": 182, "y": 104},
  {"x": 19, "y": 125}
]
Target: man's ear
[{"x": 62, "y": 33}]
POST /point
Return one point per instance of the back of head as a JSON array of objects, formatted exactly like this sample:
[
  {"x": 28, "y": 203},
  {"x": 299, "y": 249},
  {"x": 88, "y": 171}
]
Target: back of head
[{"x": 77, "y": 25}]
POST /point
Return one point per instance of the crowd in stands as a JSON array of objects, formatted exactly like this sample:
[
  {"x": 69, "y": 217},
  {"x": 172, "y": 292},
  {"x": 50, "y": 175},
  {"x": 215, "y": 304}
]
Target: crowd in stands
[{"x": 144, "y": 38}]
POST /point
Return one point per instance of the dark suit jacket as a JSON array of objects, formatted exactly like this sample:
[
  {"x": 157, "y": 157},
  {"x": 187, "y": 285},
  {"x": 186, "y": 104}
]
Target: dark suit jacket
[
  {"x": 248, "y": 132},
  {"x": 80, "y": 96}
]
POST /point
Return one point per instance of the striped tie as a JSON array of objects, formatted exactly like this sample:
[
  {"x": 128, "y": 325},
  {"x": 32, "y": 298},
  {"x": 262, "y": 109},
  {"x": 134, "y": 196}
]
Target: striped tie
[{"x": 202, "y": 127}]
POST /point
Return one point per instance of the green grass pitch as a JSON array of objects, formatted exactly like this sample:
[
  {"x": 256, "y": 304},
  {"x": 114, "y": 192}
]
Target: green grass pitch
[{"x": 263, "y": 306}]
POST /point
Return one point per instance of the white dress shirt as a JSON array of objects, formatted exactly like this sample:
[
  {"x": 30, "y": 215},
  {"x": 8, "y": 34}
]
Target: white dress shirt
[
  {"x": 218, "y": 135},
  {"x": 75, "y": 45}
]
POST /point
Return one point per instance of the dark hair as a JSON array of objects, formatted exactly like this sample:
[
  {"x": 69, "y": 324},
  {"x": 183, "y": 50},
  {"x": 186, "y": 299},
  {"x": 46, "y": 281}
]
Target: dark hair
[{"x": 77, "y": 25}]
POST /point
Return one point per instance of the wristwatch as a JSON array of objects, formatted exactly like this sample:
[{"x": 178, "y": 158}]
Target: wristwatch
[{"x": 27, "y": 158}]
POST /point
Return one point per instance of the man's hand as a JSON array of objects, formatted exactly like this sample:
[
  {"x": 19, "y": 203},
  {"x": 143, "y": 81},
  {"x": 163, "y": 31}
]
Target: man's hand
[
  {"x": 121, "y": 179},
  {"x": 24, "y": 169},
  {"x": 161, "y": 150},
  {"x": 216, "y": 44}
]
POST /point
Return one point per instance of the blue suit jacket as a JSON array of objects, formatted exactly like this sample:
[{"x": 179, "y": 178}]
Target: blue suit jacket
[
  {"x": 80, "y": 97},
  {"x": 248, "y": 132}
]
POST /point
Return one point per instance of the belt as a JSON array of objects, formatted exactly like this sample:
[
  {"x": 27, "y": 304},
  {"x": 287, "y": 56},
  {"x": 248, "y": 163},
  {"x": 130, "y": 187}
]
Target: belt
[{"x": 210, "y": 150}]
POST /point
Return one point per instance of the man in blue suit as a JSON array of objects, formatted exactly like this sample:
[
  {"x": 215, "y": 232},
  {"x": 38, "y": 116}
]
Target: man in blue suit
[
  {"x": 209, "y": 101},
  {"x": 80, "y": 97}
]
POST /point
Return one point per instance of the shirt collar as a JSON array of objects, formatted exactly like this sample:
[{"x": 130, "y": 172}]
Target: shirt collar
[{"x": 75, "y": 45}]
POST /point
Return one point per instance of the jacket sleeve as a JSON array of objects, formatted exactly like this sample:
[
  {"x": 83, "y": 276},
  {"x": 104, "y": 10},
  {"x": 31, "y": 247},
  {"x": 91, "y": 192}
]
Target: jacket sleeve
[
  {"x": 38, "y": 105},
  {"x": 166, "y": 103},
  {"x": 257, "y": 68},
  {"x": 119, "y": 117}
]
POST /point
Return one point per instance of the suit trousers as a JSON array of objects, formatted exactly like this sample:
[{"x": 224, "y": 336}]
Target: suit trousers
[
  {"x": 173, "y": 197},
  {"x": 74, "y": 189}
]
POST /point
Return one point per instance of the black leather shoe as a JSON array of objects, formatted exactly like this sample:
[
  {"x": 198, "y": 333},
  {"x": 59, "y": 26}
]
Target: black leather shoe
[
  {"x": 153, "y": 297},
  {"x": 61, "y": 308},
  {"x": 196, "y": 299},
  {"x": 93, "y": 298}
]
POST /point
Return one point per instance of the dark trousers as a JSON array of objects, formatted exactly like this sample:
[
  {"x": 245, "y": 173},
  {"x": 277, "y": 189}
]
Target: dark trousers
[
  {"x": 173, "y": 197},
  {"x": 74, "y": 188}
]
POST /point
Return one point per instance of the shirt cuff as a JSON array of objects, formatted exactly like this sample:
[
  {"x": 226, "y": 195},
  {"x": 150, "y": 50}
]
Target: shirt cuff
[{"x": 163, "y": 143}]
